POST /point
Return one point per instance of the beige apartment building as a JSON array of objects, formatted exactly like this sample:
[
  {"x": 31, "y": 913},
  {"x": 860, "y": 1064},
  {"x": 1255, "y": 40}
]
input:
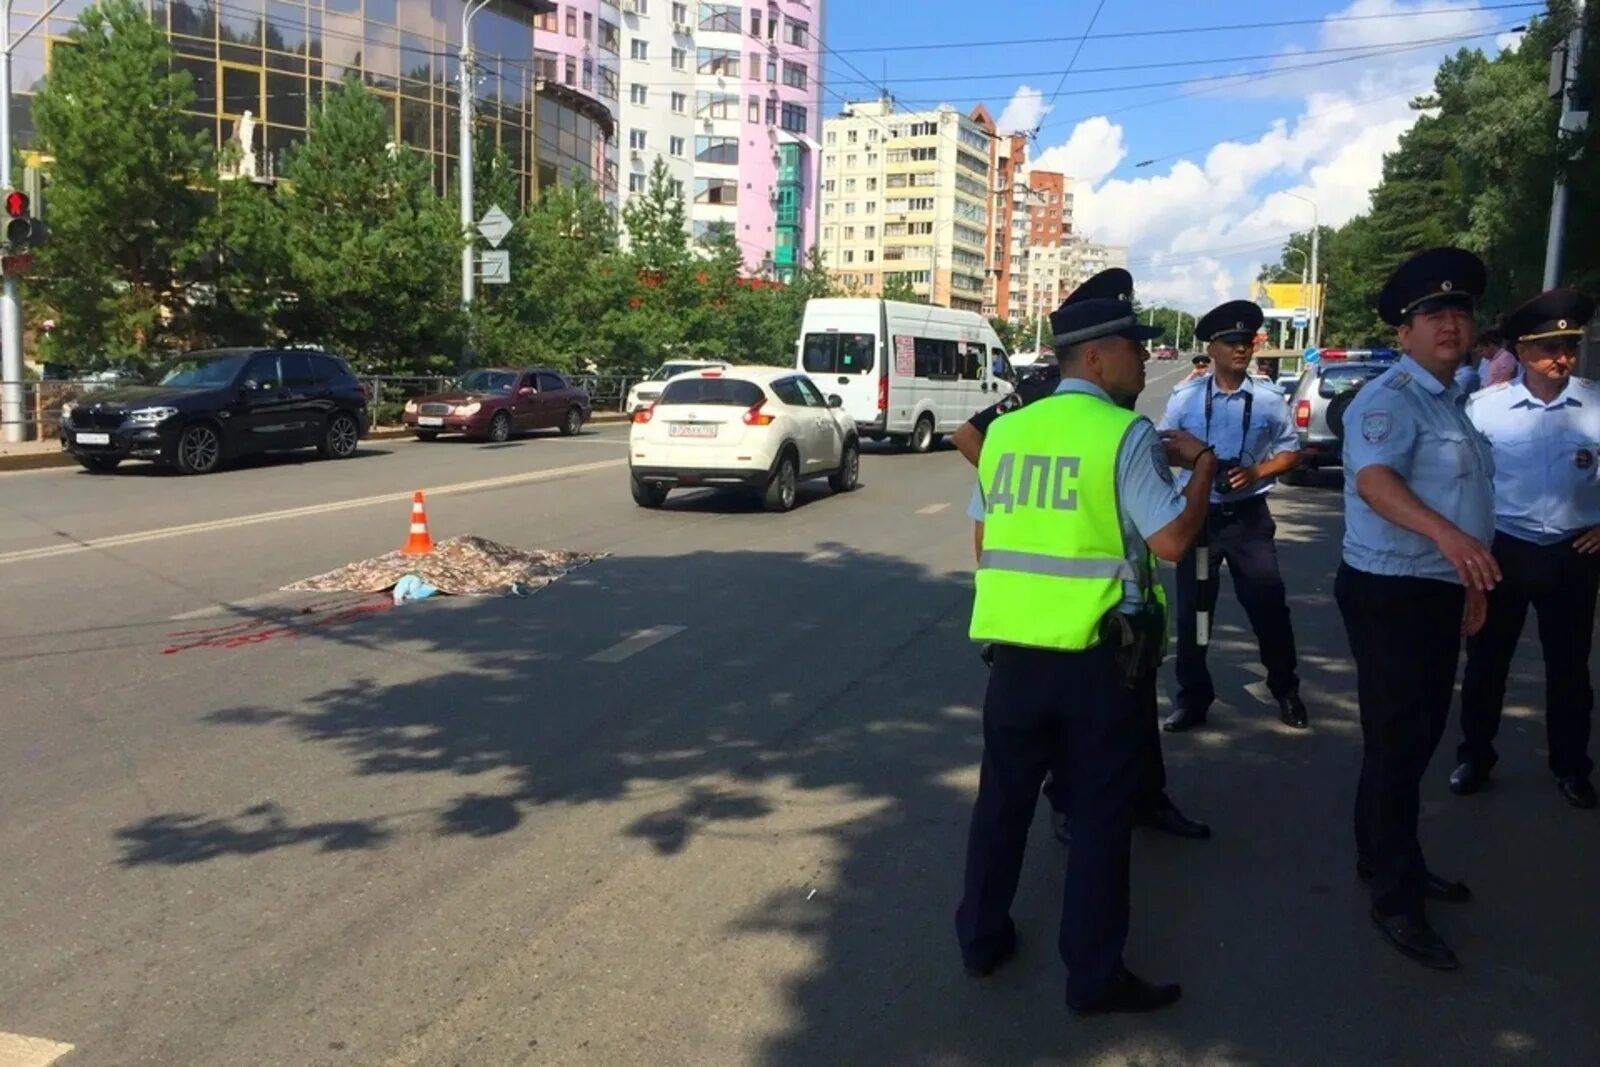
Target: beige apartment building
[{"x": 905, "y": 196}]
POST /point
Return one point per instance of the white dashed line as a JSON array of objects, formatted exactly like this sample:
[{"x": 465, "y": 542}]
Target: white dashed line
[
  {"x": 636, "y": 644},
  {"x": 19, "y": 1051},
  {"x": 932, "y": 509}
]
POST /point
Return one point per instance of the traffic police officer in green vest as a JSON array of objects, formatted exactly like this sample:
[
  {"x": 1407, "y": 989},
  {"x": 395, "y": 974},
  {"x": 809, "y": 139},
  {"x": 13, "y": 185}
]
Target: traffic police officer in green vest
[{"x": 1079, "y": 497}]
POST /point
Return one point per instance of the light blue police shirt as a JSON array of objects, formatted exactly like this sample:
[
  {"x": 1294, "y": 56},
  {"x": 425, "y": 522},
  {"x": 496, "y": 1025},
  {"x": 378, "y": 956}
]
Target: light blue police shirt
[
  {"x": 1147, "y": 492},
  {"x": 1468, "y": 380},
  {"x": 1406, "y": 420},
  {"x": 1270, "y": 432},
  {"x": 1546, "y": 458}
]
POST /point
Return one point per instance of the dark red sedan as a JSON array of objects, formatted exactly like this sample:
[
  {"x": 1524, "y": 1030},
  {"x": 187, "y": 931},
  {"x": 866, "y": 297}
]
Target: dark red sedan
[{"x": 494, "y": 402}]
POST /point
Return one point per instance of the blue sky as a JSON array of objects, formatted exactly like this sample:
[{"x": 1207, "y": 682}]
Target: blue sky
[{"x": 1212, "y": 205}]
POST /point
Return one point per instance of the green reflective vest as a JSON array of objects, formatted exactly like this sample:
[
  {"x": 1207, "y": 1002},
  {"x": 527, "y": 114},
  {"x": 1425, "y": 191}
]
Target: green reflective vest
[{"x": 1053, "y": 561}]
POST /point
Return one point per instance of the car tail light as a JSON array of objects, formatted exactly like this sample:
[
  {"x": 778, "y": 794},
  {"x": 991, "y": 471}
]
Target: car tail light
[
  {"x": 756, "y": 417},
  {"x": 1302, "y": 414},
  {"x": 711, "y": 373},
  {"x": 643, "y": 414},
  {"x": 883, "y": 393}
]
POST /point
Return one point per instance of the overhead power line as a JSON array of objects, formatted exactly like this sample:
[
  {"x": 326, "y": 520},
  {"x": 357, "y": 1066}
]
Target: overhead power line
[{"x": 1070, "y": 64}]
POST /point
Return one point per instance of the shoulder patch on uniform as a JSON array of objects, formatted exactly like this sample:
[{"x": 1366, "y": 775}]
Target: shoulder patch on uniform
[
  {"x": 1375, "y": 426},
  {"x": 1400, "y": 380}
]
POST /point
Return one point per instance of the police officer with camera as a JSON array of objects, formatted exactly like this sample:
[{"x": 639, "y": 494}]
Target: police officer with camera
[
  {"x": 1247, "y": 421},
  {"x": 1077, "y": 496}
]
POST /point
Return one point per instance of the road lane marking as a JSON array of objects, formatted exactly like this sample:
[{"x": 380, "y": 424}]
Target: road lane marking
[
  {"x": 636, "y": 644},
  {"x": 75, "y": 547},
  {"x": 932, "y": 509},
  {"x": 19, "y": 1051},
  {"x": 822, "y": 556}
]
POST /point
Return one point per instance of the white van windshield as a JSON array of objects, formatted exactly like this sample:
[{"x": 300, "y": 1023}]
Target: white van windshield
[{"x": 838, "y": 353}]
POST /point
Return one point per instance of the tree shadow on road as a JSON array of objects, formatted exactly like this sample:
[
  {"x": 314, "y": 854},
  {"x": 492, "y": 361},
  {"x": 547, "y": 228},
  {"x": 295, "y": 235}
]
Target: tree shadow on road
[{"x": 852, "y": 685}]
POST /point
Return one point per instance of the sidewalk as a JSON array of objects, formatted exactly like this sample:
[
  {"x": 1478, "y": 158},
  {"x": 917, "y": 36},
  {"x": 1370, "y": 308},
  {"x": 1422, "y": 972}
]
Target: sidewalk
[{"x": 39, "y": 455}]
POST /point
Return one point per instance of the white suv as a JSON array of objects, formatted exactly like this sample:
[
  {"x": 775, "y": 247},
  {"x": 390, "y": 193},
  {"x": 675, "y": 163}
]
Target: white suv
[
  {"x": 763, "y": 428},
  {"x": 647, "y": 392}
]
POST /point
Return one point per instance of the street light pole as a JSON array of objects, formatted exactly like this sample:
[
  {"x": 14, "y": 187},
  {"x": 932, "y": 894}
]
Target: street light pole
[
  {"x": 1571, "y": 122},
  {"x": 469, "y": 265},
  {"x": 1316, "y": 296}
]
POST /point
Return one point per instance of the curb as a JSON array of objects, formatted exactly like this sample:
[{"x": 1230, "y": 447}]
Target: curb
[{"x": 44, "y": 460}]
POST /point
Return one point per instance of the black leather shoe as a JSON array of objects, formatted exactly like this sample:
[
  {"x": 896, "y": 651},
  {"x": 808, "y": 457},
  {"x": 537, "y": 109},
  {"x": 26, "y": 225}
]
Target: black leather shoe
[
  {"x": 1061, "y": 826},
  {"x": 1468, "y": 778},
  {"x": 1169, "y": 820},
  {"x": 1579, "y": 792},
  {"x": 984, "y": 968},
  {"x": 1415, "y": 938},
  {"x": 1183, "y": 719},
  {"x": 1130, "y": 993},
  {"x": 1292, "y": 710},
  {"x": 1437, "y": 888}
]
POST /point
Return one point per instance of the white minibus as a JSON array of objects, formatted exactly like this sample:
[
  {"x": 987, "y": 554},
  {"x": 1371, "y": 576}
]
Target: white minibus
[{"x": 906, "y": 372}]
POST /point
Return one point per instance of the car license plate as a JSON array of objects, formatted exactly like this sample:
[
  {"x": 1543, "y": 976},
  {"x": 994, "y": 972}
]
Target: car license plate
[
  {"x": 94, "y": 439},
  {"x": 430, "y": 420},
  {"x": 692, "y": 429}
]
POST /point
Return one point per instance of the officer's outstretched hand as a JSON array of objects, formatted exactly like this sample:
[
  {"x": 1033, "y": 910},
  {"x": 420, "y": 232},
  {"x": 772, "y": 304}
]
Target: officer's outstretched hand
[
  {"x": 1182, "y": 448},
  {"x": 1588, "y": 542},
  {"x": 1472, "y": 561},
  {"x": 1476, "y": 611}
]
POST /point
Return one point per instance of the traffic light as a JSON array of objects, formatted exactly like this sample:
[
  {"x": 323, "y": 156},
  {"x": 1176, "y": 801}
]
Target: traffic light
[{"x": 22, "y": 229}]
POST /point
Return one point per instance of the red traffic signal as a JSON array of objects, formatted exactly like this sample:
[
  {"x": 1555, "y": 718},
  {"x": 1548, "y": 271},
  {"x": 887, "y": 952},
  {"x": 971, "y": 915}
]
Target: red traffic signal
[{"x": 16, "y": 204}]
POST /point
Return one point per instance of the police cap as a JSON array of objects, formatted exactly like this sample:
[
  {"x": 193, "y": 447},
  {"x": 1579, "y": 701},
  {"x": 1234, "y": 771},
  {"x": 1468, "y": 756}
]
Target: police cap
[
  {"x": 1555, "y": 313},
  {"x": 1429, "y": 281},
  {"x": 1112, "y": 284},
  {"x": 1237, "y": 320},
  {"x": 1089, "y": 320}
]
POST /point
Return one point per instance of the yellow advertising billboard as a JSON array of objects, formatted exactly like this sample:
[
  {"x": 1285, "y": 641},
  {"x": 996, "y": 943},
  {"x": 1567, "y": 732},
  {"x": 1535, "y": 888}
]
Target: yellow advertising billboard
[{"x": 1283, "y": 299}]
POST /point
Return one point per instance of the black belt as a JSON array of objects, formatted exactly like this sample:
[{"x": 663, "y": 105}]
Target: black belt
[{"x": 1238, "y": 507}]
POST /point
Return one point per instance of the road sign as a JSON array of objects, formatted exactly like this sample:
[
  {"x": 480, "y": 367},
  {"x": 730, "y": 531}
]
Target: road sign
[
  {"x": 494, "y": 267},
  {"x": 495, "y": 227},
  {"x": 1300, "y": 322},
  {"x": 19, "y": 264}
]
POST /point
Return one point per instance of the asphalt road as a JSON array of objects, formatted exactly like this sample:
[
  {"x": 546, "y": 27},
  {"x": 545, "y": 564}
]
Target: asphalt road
[{"x": 701, "y": 802}]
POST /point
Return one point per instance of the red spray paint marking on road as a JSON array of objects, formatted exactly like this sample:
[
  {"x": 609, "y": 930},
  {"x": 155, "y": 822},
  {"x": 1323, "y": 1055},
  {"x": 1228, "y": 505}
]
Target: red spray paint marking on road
[{"x": 258, "y": 631}]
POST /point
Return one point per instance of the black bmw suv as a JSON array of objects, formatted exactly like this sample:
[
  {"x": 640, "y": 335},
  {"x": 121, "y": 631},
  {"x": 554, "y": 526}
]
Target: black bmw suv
[{"x": 209, "y": 407}]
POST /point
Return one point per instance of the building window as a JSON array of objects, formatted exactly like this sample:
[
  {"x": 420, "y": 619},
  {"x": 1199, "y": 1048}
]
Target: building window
[
  {"x": 572, "y": 22},
  {"x": 772, "y": 112},
  {"x": 680, "y": 59},
  {"x": 755, "y": 22},
  {"x": 572, "y": 70},
  {"x": 680, "y": 13},
  {"x": 588, "y": 74},
  {"x": 755, "y": 62},
  {"x": 639, "y": 94},
  {"x": 636, "y": 139},
  {"x": 721, "y": 61},
  {"x": 610, "y": 37},
  {"x": 636, "y": 183},
  {"x": 796, "y": 31},
  {"x": 722, "y": 18},
  {"x": 588, "y": 26},
  {"x": 717, "y": 106},
  {"x": 753, "y": 113},
  {"x": 675, "y": 146},
  {"x": 640, "y": 48},
  {"x": 794, "y": 74},
  {"x": 833, "y": 137},
  {"x": 609, "y": 82},
  {"x": 680, "y": 103},
  {"x": 772, "y": 72},
  {"x": 716, "y": 149},
  {"x": 549, "y": 22},
  {"x": 716, "y": 191}
]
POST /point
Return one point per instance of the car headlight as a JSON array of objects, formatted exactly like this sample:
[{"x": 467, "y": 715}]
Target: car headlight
[
  {"x": 468, "y": 409},
  {"x": 411, "y": 407},
  {"x": 151, "y": 415}
]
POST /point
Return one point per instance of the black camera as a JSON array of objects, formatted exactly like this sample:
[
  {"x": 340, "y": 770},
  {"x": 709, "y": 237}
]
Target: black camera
[{"x": 1225, "y": 467}]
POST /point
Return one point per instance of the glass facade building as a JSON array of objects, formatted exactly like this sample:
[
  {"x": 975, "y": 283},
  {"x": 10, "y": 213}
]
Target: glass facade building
[{"x": 276, "y": 59}]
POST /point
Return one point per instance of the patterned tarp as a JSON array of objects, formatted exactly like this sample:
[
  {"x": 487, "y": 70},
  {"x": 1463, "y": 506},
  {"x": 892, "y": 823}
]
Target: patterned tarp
[{"x": 462, "y": 566}]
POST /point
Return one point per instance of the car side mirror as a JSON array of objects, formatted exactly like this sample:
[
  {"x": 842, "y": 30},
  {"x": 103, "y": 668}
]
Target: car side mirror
[
  {"x": 526, "y": 390},
  {"x": 835, "y": 400}
]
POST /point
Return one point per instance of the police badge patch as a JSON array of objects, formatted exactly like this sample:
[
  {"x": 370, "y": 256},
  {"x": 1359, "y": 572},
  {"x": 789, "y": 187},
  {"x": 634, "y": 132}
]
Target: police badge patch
[{"x": 1375, "y": 426}]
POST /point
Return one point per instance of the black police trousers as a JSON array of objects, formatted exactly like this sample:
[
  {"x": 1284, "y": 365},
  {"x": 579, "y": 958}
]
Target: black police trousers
[
  {"x": 1405, "y": 635},
  {"x": 1559, "y": 583},
  {"x": 1152, "y": 789},
  {"x": 1066, "y": 710},
  {"x": 1242, "y": 535}
]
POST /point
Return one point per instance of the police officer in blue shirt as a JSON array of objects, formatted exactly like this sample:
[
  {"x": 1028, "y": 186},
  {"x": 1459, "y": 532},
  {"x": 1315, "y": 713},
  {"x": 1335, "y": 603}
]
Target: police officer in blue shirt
[
  {"x": 1248, "y": 423},
  {"x": 1545, "y": 432},
  {"x": 1046, "y": 708},
  {"x": 1156, "y": 808},
  {"x": 1419, "y": 516}
]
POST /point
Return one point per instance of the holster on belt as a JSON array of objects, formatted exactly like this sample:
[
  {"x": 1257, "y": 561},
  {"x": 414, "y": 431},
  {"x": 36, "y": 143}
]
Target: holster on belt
[{"x": 1138, "y": 640}]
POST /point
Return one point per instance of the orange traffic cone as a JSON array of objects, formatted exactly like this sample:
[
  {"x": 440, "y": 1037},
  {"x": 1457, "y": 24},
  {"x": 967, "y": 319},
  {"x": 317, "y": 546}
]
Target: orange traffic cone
[{"x": 419, "y": 543}]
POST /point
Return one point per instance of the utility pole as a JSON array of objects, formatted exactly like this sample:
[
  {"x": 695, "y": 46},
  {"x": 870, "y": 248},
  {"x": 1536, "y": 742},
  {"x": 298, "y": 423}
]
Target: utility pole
[
  {"x": 469, "y": 251},
  {"x": 1564, "y": 79}
]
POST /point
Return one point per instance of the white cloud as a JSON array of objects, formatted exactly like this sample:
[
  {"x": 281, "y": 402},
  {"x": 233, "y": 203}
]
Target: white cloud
[
  {"x": 1198, "y": 229},
  {"x": 1024, "y": 112}
]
